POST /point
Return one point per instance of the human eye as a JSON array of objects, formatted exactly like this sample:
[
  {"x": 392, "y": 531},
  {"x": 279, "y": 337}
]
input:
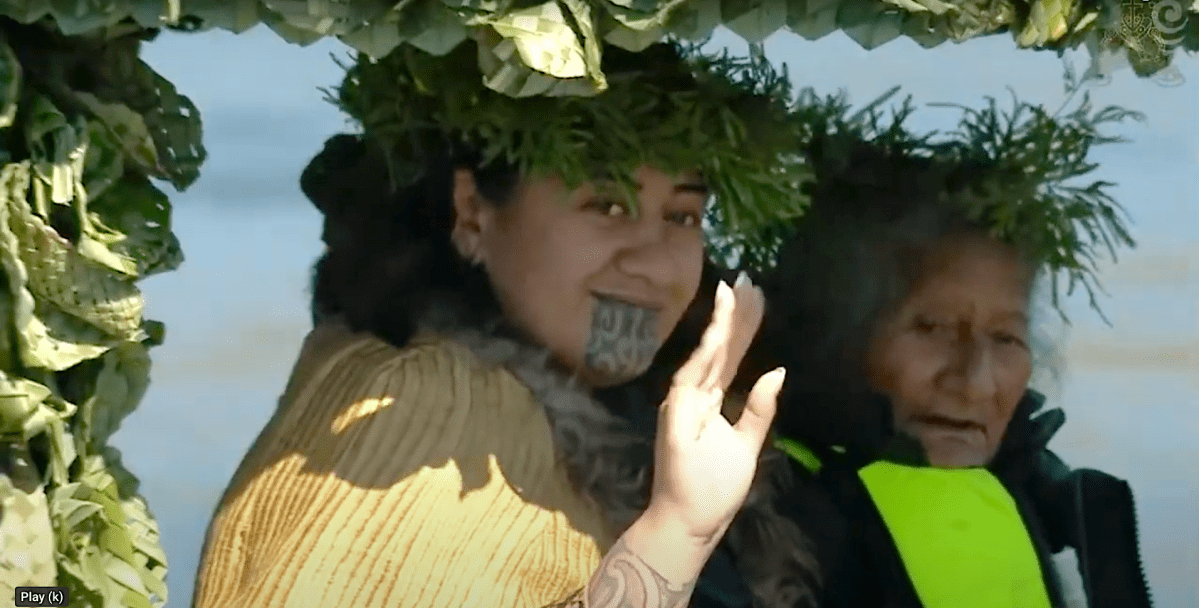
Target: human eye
[
  {"x": 1007, "y": 338},
  {"x": 686, "y": 219},
  {"x": 925, "y": 324},
  {"x": 608, "y": 207}
]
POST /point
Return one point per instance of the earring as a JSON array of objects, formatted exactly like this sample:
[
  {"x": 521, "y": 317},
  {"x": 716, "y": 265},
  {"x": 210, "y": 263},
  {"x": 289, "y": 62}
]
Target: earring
[
  {"x": 457, "y": 241},
  {"x": 472, "y": 257}
]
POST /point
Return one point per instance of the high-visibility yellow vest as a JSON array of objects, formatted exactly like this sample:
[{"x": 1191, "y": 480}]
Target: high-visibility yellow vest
[{"x": 959, "y": 533}]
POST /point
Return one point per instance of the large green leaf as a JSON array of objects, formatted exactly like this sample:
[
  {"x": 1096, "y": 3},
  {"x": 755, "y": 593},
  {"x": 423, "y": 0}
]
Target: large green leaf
[
  {"x": 118, "y": 388},
  {"x": 127, "y": 129},
  {"x": 45, "y": 338},
  {"x": 174, "y": 124},
  {"x": 27, "y": 538},
  {"x": 132, "y": 222},
  {"x": 107, "y": 541}
]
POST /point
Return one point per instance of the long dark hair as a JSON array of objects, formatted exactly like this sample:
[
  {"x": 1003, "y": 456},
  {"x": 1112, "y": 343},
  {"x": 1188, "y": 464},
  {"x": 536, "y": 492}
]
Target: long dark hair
[
  {"x": 389, "y": 259},
  {"x": 388, "y": 253}
]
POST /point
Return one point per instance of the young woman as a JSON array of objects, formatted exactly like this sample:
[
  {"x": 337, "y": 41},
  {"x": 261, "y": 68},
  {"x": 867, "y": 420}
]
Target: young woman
[
  {"x": 439, "y": 444},
  {"x": 907, "y": 331}
]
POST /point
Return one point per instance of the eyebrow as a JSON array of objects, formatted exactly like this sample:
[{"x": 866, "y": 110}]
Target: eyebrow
[
  {"x": 693, "y": 188},
  {"x": 603, "y": 182},
  {"x": 1016, "y": 316},
  {"x": 684, "y": 188}
]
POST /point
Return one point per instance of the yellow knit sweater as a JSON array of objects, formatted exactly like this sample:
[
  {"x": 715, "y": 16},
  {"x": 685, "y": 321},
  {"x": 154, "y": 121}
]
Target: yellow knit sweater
[{"x": 415, "y": 477}]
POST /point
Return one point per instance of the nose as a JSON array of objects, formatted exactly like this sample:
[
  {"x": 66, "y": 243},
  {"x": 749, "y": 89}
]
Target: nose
[
  {"x": 973, "y": 376},
  {"x": 646, "y": 254}
]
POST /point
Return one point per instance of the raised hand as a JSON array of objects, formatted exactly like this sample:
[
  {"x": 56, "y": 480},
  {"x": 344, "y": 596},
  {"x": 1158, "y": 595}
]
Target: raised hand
[
  {"x": 703, "y": 464},
  {"x": 703, "y": 467}
]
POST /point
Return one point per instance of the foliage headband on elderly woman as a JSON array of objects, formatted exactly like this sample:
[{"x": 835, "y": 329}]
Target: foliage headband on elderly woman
[{"x": 1018, "y": 172}]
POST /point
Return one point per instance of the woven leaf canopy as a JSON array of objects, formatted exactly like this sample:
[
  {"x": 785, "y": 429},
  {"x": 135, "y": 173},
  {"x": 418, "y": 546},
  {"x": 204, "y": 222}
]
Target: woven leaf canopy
[{"x": 538, "y": 48}]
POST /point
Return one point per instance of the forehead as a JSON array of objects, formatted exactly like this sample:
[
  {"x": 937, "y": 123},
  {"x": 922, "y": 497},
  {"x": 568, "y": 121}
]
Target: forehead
[
  {"x": 550, "y": 191},
  {"x": 974, "y": 272},
  {"x": 648, "y": 179}
]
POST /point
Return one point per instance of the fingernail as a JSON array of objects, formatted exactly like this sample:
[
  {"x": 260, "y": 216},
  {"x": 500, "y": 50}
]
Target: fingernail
[
  {"x": 742, "y": 280},
  {"x": 722, "y": 291},
  {"x": 781, "y": 372}
]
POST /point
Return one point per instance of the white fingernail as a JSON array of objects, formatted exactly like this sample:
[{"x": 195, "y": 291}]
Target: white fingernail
[
  {"x": 742, "y": 280},
  {"x": 722, "y": 291}
]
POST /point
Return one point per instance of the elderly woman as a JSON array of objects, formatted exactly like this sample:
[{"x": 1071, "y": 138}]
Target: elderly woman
[
  {"x": 439, "y": 443},
  {"x": 906, "y": 327}
]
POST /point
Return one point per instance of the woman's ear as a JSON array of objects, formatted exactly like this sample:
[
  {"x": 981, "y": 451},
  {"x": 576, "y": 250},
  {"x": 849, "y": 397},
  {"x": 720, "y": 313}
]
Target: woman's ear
[{"x": 467, "y": 232}]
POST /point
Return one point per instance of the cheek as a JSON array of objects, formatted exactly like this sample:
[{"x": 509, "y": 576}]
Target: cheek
[
  {"x": 1012, "y": 377},
  {"x": 577, "y": 260},
  {"x": 689, "y": 260},
  {"x": 571, "y": 269},
  {"x": 689, "y": 265},
  {"x": 541, "y": 284},
  {"x": 554, "y": 263},
  {"x": 906, "y": 372}
]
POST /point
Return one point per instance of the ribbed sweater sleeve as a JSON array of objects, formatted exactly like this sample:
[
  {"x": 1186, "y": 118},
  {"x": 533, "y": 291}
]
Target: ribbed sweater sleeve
[{"x": 400, "y": 478}]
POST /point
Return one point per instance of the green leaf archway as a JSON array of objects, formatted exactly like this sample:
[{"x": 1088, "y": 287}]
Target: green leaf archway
[{"x": 86, "y": 128}]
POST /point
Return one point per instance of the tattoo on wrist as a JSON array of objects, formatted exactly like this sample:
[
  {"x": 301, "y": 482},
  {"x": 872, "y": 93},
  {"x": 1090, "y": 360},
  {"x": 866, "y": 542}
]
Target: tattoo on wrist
[
  {"x": 623, "y": 339},
  {"x": 624, "y": 580}
]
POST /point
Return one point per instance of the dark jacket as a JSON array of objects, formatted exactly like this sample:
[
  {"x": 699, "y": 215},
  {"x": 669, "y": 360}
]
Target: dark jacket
[{"x": 1087, "y": 510}]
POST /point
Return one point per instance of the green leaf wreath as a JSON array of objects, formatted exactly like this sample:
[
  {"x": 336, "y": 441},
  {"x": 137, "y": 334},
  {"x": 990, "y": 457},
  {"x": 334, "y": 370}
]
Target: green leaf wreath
[{"x": 1034, "y": 189}]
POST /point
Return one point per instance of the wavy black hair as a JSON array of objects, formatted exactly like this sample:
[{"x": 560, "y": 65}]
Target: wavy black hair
[{"x": 388, "y": 253}]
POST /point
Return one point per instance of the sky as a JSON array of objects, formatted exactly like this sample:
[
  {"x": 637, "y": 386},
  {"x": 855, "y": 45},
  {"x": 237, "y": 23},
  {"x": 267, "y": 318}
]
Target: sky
[{"x": 237, "y": 310}]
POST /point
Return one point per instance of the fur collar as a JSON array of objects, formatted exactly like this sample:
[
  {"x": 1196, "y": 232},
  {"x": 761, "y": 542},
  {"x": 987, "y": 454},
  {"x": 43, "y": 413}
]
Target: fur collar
[{"x": 605, "y": 456}]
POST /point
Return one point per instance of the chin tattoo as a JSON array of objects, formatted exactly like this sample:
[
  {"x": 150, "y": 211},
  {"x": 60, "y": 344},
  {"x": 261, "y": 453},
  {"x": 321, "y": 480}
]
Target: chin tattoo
[{"x": 623, "y": 340}]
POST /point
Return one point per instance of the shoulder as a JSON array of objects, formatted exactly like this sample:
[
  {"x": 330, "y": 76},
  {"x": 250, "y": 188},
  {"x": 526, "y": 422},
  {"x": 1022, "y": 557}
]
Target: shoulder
[
  {"x": 333, "y": 351},
  {"x": 337, "y": 366},
  {"x": 355, "y": 400},
  {"x": 358, "y": 375},
  {"x": 416, "y": 446},
  {"x": 833, "y": 518}
]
